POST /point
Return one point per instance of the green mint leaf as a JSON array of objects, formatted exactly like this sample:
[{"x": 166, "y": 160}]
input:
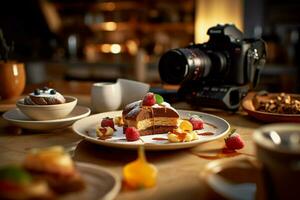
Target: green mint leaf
[
  {"x": 232, "y": 131},
  {"x": 15, "y": 174},
  {"x": 159, "y": 99}
]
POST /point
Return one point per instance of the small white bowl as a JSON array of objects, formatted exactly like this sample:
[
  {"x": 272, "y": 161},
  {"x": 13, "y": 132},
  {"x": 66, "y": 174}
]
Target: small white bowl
[{"x": 48, "y": 112}]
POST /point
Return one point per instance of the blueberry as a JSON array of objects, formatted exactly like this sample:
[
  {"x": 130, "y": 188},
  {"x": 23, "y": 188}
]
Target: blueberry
[
  {"x": 37, "y": 92},
  {"x": 52, "y": 92}
]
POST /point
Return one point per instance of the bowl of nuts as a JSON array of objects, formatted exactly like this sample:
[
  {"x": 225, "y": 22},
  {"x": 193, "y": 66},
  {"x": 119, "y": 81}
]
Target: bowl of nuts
[{"x": 272, "y": 107}]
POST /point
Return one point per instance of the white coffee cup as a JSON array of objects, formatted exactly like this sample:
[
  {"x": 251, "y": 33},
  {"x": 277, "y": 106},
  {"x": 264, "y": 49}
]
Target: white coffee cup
[
  {"x": 278, "y": 150},
  {"x": 108, "y": 96},
  {"x": 105, "y": 96}
]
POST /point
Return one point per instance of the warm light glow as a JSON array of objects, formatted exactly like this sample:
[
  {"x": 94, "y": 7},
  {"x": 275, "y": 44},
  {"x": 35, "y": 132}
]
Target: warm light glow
[
  {"x": 110, "y": 6},
  {"x": 105, "y": 48},
  {"x": 110, "y": 26},
  {"x": 275, "y": 137},
  {"x": 132, "y": 47},
  {"x": 115, "y": 48},
  {"x": 212, "y": 12}
]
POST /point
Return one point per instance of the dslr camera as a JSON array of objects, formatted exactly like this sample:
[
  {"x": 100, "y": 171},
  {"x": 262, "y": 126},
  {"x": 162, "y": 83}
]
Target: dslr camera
[{"x": 217, "y": 73}]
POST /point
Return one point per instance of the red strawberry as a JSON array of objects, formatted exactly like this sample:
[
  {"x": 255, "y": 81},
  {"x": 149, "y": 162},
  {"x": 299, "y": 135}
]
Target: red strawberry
[
  {"x": 234, "y": 141},
  {"x": 149, "y": 99},
  {"x": 132, "y": 134},
  {"x": 108, "y": 122},
  {"x": 196, "y": 122}
]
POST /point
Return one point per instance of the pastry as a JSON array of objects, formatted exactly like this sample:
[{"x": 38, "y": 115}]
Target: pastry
[
  {"x": 56, "y": 167},
  {"x": 16, "y": 184},
  {"x": 45, "y": 96},
  {"x": 150, "y": 116}
]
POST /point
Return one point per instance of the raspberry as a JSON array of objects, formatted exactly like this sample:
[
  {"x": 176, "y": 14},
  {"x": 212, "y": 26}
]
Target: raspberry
[
  {"x": 234, "y": 141},
  {"x": 132, "y": 134},
  {"x": 149, "y": 99},
  {"x": 108, "y": 122},
  {"x": 196, "y": 122}
]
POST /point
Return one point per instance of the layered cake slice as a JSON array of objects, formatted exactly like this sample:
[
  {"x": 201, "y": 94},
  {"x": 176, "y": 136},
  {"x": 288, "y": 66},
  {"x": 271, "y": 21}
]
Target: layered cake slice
[{"x": 150, "y": 115}]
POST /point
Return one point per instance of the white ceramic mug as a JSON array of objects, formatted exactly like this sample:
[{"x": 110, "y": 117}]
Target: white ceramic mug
[
  {"x": 278, "y": 150},
  {"x": 105, "y": 96}
]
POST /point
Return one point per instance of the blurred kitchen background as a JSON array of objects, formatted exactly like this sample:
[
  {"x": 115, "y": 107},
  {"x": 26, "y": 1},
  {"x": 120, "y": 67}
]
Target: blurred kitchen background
[{"x": 97, "y": 40}]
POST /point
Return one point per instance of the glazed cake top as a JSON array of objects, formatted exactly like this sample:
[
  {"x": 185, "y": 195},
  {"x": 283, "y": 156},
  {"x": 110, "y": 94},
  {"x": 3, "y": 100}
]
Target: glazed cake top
[{"x": 136, "y": 111}]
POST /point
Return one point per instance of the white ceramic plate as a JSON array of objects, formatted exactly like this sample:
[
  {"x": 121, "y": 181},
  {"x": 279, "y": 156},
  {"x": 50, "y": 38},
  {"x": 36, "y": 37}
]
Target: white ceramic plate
[
  {"x": 87, "y": 128},
  {"x": 100, "y": 183},
  {"x": 17, "y": 118}
]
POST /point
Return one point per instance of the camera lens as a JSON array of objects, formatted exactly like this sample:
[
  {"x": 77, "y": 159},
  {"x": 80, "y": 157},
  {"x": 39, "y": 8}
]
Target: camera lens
[
  {"x": 218, "y": 62},
  {"x": 182, "y": 64}
]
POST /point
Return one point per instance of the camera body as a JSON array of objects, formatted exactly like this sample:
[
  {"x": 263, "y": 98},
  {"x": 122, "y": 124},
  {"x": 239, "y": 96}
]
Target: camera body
[{"x": 216, "y": 73}]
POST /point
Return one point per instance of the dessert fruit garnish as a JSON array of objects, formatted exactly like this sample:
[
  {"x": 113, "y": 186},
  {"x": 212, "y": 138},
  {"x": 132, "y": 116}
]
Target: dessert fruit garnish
[
  {"x": 150, "y": 99},
  {"x": 108, "y": 122},
  {"x": 106, "y": 129},
  {"x": 184, "y": 133},
  {"x": 55, "y": 166},
  {"x": 17, "y": 183},
  {"x": 197, "y": 122},
  {"x": 104, "y": 132},
  {"x": 44, "y": 96},
  {"x": 132, "y": 134},
  {"x": 186, "y": 126},
  {"x": 119, "y": 121},
  {"x": 234, "y": 141},
  {"x": 139, "y": 173}
]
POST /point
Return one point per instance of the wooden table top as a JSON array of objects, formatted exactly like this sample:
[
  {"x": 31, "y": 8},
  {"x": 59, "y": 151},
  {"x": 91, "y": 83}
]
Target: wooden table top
[{"x": 178, "y": 176}]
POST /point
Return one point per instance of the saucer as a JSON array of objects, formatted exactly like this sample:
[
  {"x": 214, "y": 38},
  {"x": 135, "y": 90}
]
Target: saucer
[
  {"x": 233, "y": 178},
  {"x": 100, "y": 183},
  {"x": 17, "y": 118}
]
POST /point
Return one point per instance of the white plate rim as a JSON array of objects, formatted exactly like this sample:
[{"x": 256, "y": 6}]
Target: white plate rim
[
  {"x": 169, "y": 146},
  {"x": 86, "y": 113},
  {"x": 116, "y": 188}
]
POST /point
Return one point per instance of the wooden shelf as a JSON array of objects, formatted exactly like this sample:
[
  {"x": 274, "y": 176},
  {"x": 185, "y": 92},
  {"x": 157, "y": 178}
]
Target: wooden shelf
[
  {"x": 144, "y": 27},
  {"x": 114, "y": 5},
  {"x": 169, "y": 27}
]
